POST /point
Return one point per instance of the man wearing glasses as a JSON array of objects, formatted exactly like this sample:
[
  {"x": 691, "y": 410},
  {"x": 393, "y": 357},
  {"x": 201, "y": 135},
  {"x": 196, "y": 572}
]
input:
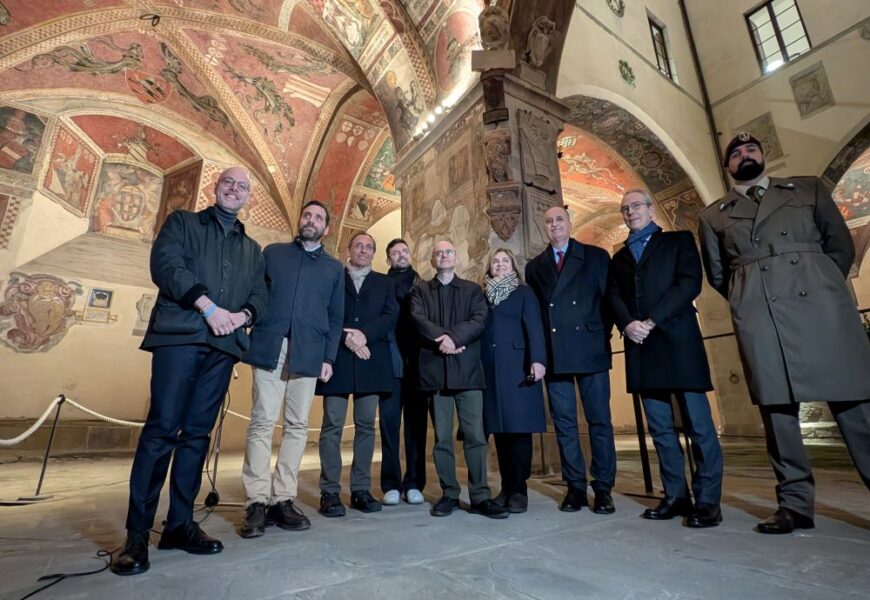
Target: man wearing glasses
[
  {"x": 209, "y": 276},
  {"x": 653, "y": 281},
  {"x": 450, "y": 315},
  {"x": 292, "y": 347}
]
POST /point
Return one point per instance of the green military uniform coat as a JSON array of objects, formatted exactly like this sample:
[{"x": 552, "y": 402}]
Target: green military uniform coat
[{"x": 782, "y": 266}]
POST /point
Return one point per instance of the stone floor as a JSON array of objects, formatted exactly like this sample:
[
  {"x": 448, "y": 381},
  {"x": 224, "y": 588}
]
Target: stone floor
[{"x": 402, "y": 552}]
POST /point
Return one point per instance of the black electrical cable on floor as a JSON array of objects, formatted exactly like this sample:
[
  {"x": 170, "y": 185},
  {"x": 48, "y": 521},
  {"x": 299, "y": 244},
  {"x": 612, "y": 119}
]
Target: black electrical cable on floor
[{"x": 210, "y": 502}]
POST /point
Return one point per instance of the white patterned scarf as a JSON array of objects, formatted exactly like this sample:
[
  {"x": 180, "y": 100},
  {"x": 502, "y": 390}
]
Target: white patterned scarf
[
  {"x": 358, "y": 275},
  {"x": 498, "y": 290}
]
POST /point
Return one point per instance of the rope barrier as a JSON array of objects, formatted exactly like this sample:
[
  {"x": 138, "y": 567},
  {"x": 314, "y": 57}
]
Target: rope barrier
[
  {"x": 101, "y": 417},
  {"x": 23, "y": 436}
]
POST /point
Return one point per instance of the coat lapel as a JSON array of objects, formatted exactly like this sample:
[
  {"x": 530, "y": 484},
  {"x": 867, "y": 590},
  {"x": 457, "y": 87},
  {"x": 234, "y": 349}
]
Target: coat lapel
[
  {"x": 777, "y": 194},
  {"x": 651, "y": 245},
  {"x": 545, "y": 268},
  {"x": 348, "y": 284},
  {"x": 573, "y": 263}
]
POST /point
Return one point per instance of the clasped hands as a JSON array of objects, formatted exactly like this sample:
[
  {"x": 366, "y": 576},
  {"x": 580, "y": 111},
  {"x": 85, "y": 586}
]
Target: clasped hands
[
  {"x": 447, "y": 346},
  {"x": 220, "y": 321},
  {"x": 637, "y": 331},
  {"x": 356, "y": 342}
]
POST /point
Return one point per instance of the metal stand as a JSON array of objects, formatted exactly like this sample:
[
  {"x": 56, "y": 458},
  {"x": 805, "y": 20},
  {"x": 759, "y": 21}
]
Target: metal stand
[
  {"x": 641, "y": 440},
  {"x": 39, "y": 497},
  {"x": 213, "y": 498}
]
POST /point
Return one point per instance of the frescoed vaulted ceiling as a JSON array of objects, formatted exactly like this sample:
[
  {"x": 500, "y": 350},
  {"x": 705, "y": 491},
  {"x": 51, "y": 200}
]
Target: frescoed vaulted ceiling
[{"x": 305, "y": 93}]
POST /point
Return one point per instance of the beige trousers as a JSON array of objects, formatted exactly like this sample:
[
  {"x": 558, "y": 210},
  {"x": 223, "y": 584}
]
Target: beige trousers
[{"x": 272, "y": 389}]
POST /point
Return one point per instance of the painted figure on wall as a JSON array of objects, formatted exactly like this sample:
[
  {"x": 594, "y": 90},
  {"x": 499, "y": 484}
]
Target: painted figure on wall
[
  {"x": 380, "y": 177},
  {"x": 83, "y": 59},
  {"x": 71, "y": 170},
  {"x": 36, "y": 311},
  {"x": 404, "y": 107},
  {"x": 273, "y": 104},
  {"x": 351, "y": 20},
  {"x": 20, "y": 138}
]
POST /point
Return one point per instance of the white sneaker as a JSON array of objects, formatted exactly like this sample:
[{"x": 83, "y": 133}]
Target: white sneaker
[
  {"x": 413, "y": 496},
  {"x": 391, "y": 498}
]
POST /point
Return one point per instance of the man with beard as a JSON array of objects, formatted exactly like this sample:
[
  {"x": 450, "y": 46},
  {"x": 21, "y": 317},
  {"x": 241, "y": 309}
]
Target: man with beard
[
  {"x": 291, "y": 348},
  {"x": 405, "y": 401},
  {"x": 779, "y": 251},
  {"x": 209, "y": 276}
]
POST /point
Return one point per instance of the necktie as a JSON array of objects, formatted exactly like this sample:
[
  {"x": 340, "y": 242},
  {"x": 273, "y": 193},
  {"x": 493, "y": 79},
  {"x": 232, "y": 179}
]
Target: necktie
[
  {"x": 755, "y": 192},
  {"x": 560, "y": 260}
]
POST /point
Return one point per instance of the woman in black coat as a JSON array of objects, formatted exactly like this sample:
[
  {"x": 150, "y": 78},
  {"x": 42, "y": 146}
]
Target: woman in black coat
[{"x": 513, "y": 353}]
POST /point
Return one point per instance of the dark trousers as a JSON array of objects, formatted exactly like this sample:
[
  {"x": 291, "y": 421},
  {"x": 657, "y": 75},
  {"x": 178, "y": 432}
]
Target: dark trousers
[
  {"x": 795, "y": 487},
  {"x": 365, "y": 409},
  {"x": 698, "y": 423},
  {"x": 469, "y": 409},
  {"x": 188, "y": 385},
  {"x": 514, "y": 451},
  {"x": 595, "y": 396},
  {"x": 408, "y": 404}
]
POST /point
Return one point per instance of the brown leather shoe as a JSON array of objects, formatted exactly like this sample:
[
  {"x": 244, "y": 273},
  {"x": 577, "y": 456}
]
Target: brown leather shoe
[{"x": 784, "y": 520}]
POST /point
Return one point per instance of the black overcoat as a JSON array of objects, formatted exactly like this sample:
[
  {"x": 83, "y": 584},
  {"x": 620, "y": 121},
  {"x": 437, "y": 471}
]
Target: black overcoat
[
  {"x": 512, "y": 340},
  {"x": 661, "y": 287},
  {"x": 459, "y": 310},
  {"x": 372, "y": 310},
  {"x": 577, "y": 323}
]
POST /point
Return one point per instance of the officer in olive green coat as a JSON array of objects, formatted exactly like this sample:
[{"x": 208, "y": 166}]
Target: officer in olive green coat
[{"x": 779, "y": 251}]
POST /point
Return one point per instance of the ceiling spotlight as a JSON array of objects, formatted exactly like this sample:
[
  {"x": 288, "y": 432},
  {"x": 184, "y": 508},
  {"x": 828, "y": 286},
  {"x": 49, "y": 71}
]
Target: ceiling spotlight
[
  {"x": 431, "y": 118},
  {"x": 438, "y": 110}
]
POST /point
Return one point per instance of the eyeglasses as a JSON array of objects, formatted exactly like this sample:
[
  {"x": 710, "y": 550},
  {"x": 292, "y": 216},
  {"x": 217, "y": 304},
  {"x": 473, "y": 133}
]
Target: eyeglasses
[
  {"x": 448, "y": 252},
  {"x": 634, "y": 206},
  {"x": 229, "y": 182}
]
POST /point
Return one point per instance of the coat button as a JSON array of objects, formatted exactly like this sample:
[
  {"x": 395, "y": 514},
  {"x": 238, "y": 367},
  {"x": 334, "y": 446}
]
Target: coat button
[
  {"x": 493, "y": 345},
  {"x": 783, "y": 232},
  {"x": 554, "y": 330},
  {"x": 773, "y": 298},
  {"x": 573, "y": 302},
  {"x": 794, "y": 261},
  {"x": 577, "y": 328},
  {"x": 757, "y": 240},
  {"x": 356, "y": 319},
  {"x": 802, "y": 293},
  {"x": 552, "y": 305},
  {"x": 764, "y": 268}
]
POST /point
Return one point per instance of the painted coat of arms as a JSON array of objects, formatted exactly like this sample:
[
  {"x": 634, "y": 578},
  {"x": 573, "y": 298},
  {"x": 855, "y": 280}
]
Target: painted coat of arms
[{"x": 36, "y": 311}]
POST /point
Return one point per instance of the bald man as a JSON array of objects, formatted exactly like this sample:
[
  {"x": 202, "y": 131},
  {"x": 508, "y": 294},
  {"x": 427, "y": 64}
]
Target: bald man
[
  {"x": 211, "y": 287},
  {"x": 570, "y": 279}
]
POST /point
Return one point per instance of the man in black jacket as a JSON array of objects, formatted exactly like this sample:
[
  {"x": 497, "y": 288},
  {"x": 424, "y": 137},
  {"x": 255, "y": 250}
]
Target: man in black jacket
[
  {"x": 293, "y": 347},
  {"x": 653, "y": 281},
  {"x": 570, "y": 279},
  {"x": 209, "y": 276},
  {"x": 450, "y": 315},
  {"x": 364, "y": 369},
  {"x": 406, "y": 403}
]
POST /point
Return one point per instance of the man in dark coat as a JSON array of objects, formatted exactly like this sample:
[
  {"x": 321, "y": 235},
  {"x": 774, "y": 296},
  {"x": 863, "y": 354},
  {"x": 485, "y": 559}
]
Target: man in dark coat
[
  {"x": 364, "y": 369},
  {"x": 653, "y": 281},
  {"x": 450, "y": 314},
  {"x": 779, "y": 251},
  {"x": 406, "y": 403},
  {"x": 293, "y": 347},
  {"x": 209, "y": 276},
  {"x": 569, "y": 279}
]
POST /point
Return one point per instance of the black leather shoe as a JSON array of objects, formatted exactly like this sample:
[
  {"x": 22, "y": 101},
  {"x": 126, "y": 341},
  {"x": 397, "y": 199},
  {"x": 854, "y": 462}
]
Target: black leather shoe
[
  {"x": 502, "y": 498},
  {"x": 603, "y": 503},
  {"x": 287, "y": 515},
  {"x": 488, "y": 508},
  {"x": 518, "y": 503},
  {"x": 330, "y": 505},
  {"x": 785, "y": 521},
  {"x": 668, "y": 508},
  {"x": 133, "y": 558},
  {"x": 574, "y": 500},
  {"x": 364, "y": 501},
  {"x": 255, "y": 521},
  {"x": 445, "y": 506},
  {"x": 190, "y": 538},
  {"x": 705, "y": 515}
]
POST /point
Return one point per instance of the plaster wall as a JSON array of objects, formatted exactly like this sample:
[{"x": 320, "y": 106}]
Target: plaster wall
[
  {"x": 590, "y": 66},
  {"x": 42, "y": 225}
]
